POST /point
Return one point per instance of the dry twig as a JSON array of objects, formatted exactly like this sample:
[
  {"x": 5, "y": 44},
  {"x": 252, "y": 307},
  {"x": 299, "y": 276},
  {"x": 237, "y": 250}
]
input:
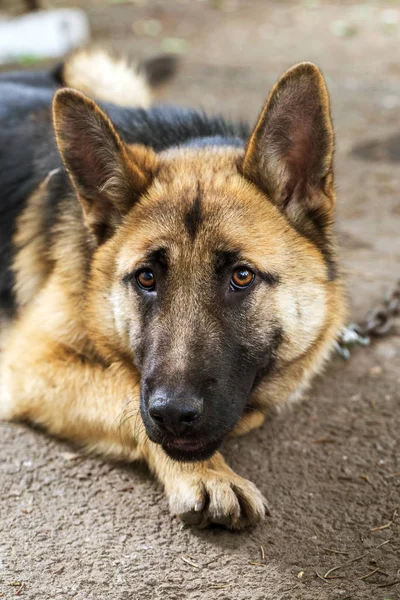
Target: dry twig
[
  {"x": 370, "y": 574},
  {"x": 349, "y": 562},
  {"x": 383, "y": 585},
  {"x": 190, "y": 562},
  {"x": 19, "y": 590},
  {"x": 336, "y": 551},
  {"x": 381, "y": 527}
]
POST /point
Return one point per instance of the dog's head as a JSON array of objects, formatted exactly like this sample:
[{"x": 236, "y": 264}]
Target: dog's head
[{"x": 213, "y": 266}]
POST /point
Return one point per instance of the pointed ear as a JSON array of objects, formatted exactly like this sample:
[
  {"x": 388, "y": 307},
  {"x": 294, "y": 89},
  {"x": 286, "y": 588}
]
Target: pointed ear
[
  {"x": 108, "y": 175},
  {"x": 290, "y": 152}
]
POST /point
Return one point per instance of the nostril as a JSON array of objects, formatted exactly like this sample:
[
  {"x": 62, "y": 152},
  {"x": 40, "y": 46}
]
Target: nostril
[
  {"x": 157, "y": 410},
  {"x": 190, "y": 415},
  {"x": 156, "y": 417},
  {"x": 191, "y": 411}
]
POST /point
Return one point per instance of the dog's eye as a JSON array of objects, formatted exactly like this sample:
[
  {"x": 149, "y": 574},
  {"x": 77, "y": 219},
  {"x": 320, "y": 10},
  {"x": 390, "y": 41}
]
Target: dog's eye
[
  {"x": 146, "y": 280},
  {"x": 242, "y": 278}
]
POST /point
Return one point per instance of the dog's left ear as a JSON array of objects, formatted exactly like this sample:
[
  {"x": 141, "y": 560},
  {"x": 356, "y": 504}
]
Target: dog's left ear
[
  {"x": 289, "y": 154},
  {"x": 109, "y": 176}
]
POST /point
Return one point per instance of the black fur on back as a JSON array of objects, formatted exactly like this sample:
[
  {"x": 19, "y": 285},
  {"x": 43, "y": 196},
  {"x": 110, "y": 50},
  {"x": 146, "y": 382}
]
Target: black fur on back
[
  {"x": 28, "y": 150},
  {"x": 166, "y": 127}
]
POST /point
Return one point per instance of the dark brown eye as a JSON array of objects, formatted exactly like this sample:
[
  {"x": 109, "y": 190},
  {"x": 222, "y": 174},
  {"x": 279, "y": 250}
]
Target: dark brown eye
[
  {"x": 242, "y": 278},
  {"x": 146, "y": 280}
]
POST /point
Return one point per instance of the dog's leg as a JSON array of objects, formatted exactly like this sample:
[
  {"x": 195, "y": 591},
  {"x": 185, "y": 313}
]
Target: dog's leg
[
  {"x": 71, "y": 397},
  {"x": 206, "y": 492},
  {"x": 251, "y": 419},
  {"x": 96, "y": 405}
]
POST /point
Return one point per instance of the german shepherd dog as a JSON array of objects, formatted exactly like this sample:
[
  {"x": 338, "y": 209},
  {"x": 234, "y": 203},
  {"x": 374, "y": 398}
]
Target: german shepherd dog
[{"x": 169, "y": 277}]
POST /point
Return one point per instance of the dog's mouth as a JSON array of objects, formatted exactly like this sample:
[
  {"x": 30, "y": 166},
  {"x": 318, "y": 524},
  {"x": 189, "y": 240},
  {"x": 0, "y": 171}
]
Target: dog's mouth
[
  {"x": 189, "y": 445},
  {"x": 189, "y": 450}
]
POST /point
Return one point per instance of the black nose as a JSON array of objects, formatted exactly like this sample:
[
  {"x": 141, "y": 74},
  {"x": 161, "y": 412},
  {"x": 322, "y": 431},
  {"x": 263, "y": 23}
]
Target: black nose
[{"x": 175, "y": 415}]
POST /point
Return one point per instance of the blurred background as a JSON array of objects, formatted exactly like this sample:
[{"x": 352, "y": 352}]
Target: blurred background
[{"x": 231, "y": 50}]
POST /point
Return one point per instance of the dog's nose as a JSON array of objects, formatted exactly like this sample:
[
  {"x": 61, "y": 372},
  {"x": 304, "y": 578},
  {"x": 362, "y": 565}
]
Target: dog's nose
[{"x": 175, "y": 415}]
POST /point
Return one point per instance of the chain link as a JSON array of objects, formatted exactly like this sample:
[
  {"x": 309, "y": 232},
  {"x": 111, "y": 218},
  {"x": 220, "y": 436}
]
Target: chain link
[{"x": 378, "y": 321}]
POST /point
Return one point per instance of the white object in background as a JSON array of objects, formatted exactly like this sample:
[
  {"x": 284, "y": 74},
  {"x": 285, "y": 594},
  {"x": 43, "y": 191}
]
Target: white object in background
[{"x": 43, "y": 34}]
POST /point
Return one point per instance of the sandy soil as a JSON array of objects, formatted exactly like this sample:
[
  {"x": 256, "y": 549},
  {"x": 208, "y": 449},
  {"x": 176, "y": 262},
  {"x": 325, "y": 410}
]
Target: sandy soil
[{"x": 78, "y": 527}]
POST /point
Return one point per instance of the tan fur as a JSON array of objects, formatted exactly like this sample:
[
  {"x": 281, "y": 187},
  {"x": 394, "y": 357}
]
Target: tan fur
[
  {"x": 97, "y": 74},
  {"x": 32, "y": 265},
  {"x": 68, "y": 365}
]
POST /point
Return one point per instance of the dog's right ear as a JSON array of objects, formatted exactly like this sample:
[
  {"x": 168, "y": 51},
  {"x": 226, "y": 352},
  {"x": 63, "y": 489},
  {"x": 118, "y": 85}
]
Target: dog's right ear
[{"x": 108, "y": 175}]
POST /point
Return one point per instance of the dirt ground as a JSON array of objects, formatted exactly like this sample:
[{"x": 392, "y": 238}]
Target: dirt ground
[{"x": 78, "y": 527}]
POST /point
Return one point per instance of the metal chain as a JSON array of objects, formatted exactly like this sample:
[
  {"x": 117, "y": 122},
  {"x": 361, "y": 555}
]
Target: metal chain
[{"x": 378, "y": 321}]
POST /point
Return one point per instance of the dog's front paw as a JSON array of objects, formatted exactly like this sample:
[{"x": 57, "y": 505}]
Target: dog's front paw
[{"x": 208, "y": 496}]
